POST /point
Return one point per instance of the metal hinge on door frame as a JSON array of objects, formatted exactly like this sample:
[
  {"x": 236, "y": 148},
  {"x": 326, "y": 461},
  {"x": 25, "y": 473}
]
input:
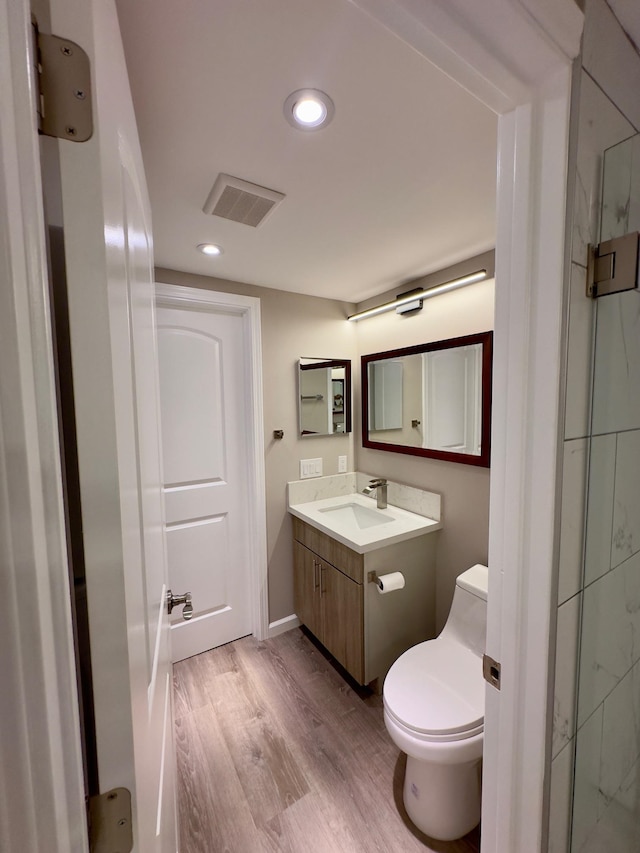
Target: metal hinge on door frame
[
  {"x": 612, "y": 266},
  {"x": 63, "y": 78},
  {"x": 491, "y": 671},
  {"x": 110, "y": 826}
]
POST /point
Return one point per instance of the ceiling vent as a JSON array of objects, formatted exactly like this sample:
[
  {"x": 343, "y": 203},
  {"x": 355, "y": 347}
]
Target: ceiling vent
[{"x": 238, "y": 200}]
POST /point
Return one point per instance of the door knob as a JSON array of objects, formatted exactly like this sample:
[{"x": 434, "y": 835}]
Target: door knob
[{"x": 175, "y": 600}]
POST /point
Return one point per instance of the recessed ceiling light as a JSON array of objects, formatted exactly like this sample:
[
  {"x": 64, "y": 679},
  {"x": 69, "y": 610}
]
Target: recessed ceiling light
[
  {"x": 209, "y": 249},
  {"x": 308, "y": 109}
]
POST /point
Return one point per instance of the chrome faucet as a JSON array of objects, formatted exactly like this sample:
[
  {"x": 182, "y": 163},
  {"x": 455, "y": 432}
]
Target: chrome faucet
[{"x": 379, "y": 486}]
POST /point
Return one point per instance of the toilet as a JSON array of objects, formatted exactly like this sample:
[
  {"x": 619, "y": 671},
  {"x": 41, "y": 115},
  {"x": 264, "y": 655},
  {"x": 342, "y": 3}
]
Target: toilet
[{"x": 434, "y": 712}]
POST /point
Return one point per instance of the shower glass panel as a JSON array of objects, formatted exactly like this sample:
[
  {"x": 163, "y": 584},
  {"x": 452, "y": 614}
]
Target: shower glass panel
[{"x": 606, "y": 795}]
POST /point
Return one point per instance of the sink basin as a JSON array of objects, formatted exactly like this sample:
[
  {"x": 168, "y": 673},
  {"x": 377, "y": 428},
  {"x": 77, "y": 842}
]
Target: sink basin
[
  {"x": 354, "y": 520},
  {"x": 362, "y": 516}
]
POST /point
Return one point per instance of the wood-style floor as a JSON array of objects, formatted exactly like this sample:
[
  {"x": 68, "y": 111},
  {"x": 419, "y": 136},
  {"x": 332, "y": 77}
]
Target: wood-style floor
[{"x": 278, "y": 752}]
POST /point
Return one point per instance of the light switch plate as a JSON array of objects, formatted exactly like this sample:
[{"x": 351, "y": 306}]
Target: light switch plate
[
  {"x": 342, "y": 464},
  {"x": 310, "y": 468}
]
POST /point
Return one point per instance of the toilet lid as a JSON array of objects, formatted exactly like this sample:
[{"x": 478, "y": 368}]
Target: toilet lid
[{"x": 437, "y": 688}]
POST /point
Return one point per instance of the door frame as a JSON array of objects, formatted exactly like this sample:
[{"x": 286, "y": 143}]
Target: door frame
[
  {"x": 515, "y": 55},
  {"x": 248, "y": 307},
  {"x": 41, "y": 776}
]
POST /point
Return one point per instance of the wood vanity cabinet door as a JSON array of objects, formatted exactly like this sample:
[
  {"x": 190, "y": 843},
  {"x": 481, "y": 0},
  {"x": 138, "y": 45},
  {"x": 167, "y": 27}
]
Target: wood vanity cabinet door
[
  {"x": 306, "y": 588},
  {"x": 342, "y": 620}
]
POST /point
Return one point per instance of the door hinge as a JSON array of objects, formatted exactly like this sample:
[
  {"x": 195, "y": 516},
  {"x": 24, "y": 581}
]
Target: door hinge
[
  {"x": 491, "y": 671},
  {"x": 110, "y": 826},
  {"x": 63, "y": 78},
  {"x": 612, "y": 266}
]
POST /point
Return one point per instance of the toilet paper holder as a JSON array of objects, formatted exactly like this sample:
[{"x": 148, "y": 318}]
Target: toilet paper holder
[{"x": 380, "y": 582}]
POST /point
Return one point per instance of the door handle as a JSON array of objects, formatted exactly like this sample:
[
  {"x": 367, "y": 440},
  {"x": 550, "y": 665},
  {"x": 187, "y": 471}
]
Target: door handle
[{"x": 175, "y": 600}]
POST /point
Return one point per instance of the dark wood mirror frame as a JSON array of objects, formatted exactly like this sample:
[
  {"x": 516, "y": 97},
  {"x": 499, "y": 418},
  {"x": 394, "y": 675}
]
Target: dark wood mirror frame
[{"x": 483, "y": 458}]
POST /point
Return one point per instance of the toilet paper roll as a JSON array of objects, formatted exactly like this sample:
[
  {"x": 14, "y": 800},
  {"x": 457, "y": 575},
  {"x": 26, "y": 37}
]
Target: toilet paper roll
[{"x": 390, "y": 582}]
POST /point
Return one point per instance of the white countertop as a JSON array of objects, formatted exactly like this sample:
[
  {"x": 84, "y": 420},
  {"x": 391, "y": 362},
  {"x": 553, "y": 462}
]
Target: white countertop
[{"x": 336, "y": 516}]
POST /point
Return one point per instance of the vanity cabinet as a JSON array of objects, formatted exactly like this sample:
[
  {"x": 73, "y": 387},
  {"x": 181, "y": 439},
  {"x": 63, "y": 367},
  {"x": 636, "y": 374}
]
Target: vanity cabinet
[
  {"x": 327, "y": 599},
  {"x": 363, "y": 630}
]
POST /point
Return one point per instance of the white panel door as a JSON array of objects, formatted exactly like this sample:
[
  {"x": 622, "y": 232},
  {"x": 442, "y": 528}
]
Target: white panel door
[
  {"x": 109, "y": 258},
  {"x": 205, "y": 438}
]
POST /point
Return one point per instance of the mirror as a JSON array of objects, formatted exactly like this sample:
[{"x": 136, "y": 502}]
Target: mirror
[
  {"x": 324, "y": 396},
  {"x": 430, "y": 400}
]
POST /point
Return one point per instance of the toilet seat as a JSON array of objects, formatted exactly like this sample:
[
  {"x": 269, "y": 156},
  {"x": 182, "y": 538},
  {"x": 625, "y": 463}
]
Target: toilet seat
[{"x": 435, "y": 692}]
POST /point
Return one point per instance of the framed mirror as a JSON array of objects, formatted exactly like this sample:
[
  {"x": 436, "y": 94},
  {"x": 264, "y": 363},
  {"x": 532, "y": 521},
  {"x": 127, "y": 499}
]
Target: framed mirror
[
  {"x": 431, "y": 400},
  {"x": 324, "y": 396}
]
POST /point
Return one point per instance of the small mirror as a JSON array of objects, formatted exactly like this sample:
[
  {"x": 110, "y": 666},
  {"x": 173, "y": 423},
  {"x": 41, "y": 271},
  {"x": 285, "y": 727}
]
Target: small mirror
[
  {"x": 324, "y": 396},
  {"x": 431, "y": 400}
]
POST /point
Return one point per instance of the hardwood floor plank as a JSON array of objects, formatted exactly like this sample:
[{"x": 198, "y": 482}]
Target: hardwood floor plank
[
  {"x": 330, "y": 773},
  {"x": 312, "y": 825},
  {"x": 307, "y": 764},
  {"x": 332, "y": 755},
  {"x": 285, "y": 693},
  {"x": 270, "y": 777},
  {"x": 313, "y": 747},
  {"x": 194, "y": 676},
  {"x": 213, "y": 813},
  {"x": 335, "y": 699}
]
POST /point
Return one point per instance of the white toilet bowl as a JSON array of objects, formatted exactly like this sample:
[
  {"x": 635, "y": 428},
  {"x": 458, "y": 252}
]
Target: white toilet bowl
[{"x": 434, "y": 712}]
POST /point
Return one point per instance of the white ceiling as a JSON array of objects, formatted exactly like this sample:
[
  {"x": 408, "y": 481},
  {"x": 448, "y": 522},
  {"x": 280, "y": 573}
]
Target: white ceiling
[{"x": 400, "y": 184}]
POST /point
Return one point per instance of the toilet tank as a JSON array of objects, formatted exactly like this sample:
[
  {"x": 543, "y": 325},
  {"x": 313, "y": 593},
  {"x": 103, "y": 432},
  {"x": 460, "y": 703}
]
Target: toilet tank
[{"x": 467, "y": 622}]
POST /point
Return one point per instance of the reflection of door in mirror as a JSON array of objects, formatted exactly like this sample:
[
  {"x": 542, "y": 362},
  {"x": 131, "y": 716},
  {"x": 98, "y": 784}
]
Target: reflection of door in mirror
[
  {"x": 452, "y": 399},
  {"x": 385, "y": 395},
  {"x": 315, "y": 396}
]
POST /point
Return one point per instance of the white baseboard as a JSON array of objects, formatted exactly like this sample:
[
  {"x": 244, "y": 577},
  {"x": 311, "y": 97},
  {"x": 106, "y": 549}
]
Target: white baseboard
[{"x": 282, "y": 625}]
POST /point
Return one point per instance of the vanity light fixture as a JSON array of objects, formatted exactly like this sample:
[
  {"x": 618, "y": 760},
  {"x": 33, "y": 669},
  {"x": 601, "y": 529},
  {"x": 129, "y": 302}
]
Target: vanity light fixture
[
  {"x": 308, "y": 109},
  {"x": 210, "y": 249},
  {"x": 422, "y": 294}
]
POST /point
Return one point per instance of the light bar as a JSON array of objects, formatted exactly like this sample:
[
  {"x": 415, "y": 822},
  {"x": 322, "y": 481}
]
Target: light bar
[{"x": 424, "y": 294}]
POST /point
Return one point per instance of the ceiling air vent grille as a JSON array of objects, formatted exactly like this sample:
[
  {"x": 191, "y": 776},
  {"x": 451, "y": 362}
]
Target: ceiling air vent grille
[{"x": 238, "y": 200}]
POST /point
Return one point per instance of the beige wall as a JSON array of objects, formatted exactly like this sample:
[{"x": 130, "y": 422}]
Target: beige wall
[
  {"x": 463, "y": 540},
  {"x": 295, "y": 326}
]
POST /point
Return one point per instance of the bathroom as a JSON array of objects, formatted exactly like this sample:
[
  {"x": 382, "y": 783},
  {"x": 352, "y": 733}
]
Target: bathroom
[
  {"x": 298, "y": 325},
  {"x": 287, "y": 335},
  {"x": 278, "y": 455}
]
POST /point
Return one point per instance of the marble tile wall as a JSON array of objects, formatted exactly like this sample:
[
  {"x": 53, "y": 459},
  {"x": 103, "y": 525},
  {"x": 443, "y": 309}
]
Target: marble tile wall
[
  {"x": 606, "y": 805},
  {"x": 561, "y": 796},
  {"x": 623, "y": 182},
  {"x": 596, "y": 722}
]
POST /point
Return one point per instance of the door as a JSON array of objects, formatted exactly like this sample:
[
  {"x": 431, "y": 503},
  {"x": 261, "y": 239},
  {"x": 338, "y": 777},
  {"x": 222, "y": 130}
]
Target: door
[
  {"x": 306, "y": 588},
  {"x": 109, "y": 264},
  {"x": 41, "y": 780},
  {"x": 206, "y": 443},
  {"x": 342, "y": 618}
]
